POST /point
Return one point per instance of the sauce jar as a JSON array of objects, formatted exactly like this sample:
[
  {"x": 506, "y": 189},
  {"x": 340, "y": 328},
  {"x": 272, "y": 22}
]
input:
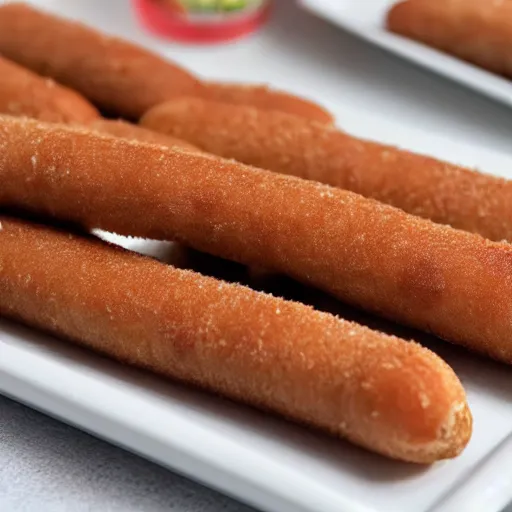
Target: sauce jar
[{"x": 202, "y": 21}]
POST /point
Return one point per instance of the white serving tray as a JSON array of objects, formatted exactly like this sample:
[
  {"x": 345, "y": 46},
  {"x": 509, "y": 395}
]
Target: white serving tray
[
  {"x": 366, "y": 19},
  {"x": 269, "y": 463}
]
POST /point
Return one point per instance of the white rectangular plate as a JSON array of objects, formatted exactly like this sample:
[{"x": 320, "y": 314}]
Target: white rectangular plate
[
  {"x": 262, "y": 460},
  {"x": 259, "y": 459},
  {"x": 366, "y": 19}
]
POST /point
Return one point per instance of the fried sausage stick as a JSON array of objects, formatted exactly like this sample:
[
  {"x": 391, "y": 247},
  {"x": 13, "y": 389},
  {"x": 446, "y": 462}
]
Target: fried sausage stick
[
  {"x": 120, "y": 77},
  {"x": 432, "y": 277},
  {"x": 24, "y": 93},
  {"x": 391, "y": 396},
  {"x": 478, "y": 31},
  {"x": 420, "y": 185}
]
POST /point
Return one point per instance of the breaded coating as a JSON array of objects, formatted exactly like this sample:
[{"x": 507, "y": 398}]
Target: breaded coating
[
  {"x": 432, "y": 277},
  {"x": 126, "y": 130},
  {"x": 265, "y": 98},
  {"x": 23, "y": 93},
  {"x": 388, "y": 395},
  {"x": 478, "y": 31},
  {"x": 420, "y": 185}
]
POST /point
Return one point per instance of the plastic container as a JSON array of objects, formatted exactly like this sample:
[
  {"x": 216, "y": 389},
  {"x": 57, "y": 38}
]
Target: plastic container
[{"x": 202, "y": 21}]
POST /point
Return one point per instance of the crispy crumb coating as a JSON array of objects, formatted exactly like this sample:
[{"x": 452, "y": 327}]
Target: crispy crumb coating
[
  {"x": 388, "y": 395},
  {"x": 435, "y": 278},
  {"x": 478, "y": 31},
  {"x": 23, "y": 93},
  {"x": 126, "y": 130},
  {"x": 118, "y": 76},
  {"x": 265, "y": 98},
  {"x": 420, "y": 185}
]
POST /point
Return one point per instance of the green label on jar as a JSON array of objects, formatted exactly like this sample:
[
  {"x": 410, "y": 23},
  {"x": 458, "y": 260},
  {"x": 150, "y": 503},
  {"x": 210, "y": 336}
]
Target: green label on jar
[{"x": 220, "y": 6}]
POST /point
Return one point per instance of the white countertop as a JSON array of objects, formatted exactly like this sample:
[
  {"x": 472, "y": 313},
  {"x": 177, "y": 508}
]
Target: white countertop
[{"x": 47, "y": 466}]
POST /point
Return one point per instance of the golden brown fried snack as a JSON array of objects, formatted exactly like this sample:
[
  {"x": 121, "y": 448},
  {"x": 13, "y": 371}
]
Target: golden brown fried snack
[
  {"x": 23, "y": 93},
  {"x": 130, "y": 131},
  {"x": 264, "y": 98},
  {"x": 479, "y": 31},
  {"x": 420, "y": 185},
  {"x": 119, "y": 77},
  {"x": 393, "y": 397},
  {"x": 449, "y": 282}
]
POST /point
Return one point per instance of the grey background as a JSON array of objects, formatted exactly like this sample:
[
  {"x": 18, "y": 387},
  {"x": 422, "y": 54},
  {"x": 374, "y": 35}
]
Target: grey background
[{"x": 48, "y": 466}]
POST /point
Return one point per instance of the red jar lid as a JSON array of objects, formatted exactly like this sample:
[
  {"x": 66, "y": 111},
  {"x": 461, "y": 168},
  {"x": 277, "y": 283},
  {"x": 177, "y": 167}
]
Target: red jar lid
[{"x": 172, "y": 19}]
